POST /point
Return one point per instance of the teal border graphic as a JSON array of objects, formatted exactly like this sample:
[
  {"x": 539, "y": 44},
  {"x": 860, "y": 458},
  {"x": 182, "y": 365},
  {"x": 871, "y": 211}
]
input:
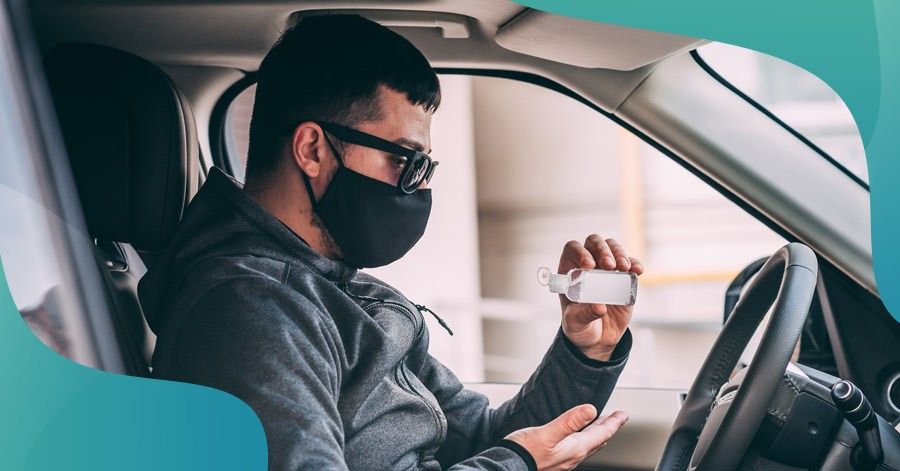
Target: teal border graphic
[
  {"x": 56, "y": 414},
  {"x": 60, "y": 415}
]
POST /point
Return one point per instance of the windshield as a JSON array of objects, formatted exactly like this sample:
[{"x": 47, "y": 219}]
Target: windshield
[{"x": 797, "y": 97}]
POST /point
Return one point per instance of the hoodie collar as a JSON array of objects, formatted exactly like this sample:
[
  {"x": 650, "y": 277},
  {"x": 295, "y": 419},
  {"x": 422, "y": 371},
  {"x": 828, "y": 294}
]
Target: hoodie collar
[{"x": 292, "y": 245}]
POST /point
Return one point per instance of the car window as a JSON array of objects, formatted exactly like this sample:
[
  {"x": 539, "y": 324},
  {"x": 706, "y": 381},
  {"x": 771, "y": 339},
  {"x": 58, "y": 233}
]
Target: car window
[
  {"x": 800, "y": 99},
  {"x": 525, "y": 169},
  {"x": 237, "y": 130},
  {"x": 33, "y": 256}
]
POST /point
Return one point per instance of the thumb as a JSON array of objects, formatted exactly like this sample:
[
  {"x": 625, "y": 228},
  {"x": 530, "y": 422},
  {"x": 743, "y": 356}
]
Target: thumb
[
  {"x": 571, "y": 421},
  {"x": 579, "y": 316}
]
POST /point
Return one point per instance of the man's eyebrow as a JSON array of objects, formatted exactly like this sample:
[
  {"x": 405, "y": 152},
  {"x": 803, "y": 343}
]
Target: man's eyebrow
[{"x": 412, "y": 144}]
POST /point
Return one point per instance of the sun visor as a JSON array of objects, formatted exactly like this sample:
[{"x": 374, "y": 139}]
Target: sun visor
[{"x": 588, "y": 44}]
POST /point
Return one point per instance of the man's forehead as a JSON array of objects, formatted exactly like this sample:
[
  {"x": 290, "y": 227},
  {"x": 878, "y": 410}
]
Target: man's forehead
[{"x": 401, "y": 121}]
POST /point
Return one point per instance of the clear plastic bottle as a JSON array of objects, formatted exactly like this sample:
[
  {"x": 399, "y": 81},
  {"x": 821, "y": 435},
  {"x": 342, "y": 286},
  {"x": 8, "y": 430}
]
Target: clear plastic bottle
[{"x": 592, "y": 286}]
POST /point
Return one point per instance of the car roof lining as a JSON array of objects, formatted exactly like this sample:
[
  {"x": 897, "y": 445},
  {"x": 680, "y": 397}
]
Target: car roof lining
[{"x": 236, "y": 34}]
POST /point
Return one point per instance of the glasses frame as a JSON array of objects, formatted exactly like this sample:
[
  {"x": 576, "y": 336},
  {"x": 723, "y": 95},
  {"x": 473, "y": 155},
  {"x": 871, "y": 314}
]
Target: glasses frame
[{"x": 413, "y": 157}]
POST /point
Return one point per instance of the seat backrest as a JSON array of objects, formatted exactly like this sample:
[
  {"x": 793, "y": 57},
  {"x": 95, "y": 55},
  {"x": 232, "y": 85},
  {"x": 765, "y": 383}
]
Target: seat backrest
[{"x": 132, "y": 144}]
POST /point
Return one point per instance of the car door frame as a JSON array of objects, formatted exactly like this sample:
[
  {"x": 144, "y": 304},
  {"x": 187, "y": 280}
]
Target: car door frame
[{"x": 44, "y": 145}]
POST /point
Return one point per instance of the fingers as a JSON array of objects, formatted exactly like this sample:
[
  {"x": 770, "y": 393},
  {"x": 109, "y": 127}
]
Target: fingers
[
  {"x": 598, "y": 433},
  {"x": 577, "y": 447},
  {"x": 597, "y": 252},
  {"x": 575, "y": 256},
  {"x": 623, "y": 261},
  {"x": 611, "y": 255},
  {"x": 567, "y": 440},
  {"x": 636, "y": 266},
  {"x": 571, "y": 421},
  {"x": 601, "y": 251}
]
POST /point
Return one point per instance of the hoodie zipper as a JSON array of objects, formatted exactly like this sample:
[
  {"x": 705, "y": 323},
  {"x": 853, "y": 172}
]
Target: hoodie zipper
[
  {"x": 345, "y": 287},
  {"x": 404, "y": 382},
  {"x": 400, "y": 372},
  {"x": 422, "y": 307},
  {"x": 436, "y": 412}
]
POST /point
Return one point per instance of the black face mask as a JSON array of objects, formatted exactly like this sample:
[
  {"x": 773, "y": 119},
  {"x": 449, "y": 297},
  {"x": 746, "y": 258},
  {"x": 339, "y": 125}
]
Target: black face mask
[{"x": 374, "y": 223}]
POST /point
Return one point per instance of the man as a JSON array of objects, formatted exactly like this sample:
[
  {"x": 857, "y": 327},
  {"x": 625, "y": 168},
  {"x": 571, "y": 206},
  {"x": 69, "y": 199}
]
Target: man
[{"x": 260, "y": 294}]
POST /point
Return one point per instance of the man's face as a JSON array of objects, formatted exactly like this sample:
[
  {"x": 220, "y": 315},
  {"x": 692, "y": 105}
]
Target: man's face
[{"x": 402, "y": 123}]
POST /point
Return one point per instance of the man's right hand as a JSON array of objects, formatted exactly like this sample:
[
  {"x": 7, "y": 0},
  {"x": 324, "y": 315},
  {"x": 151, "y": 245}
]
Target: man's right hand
[{"x": 570, "y": 438}]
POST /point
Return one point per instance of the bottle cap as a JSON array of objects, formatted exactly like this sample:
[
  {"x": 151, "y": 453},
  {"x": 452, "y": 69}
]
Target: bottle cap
[{"x": 557, "y": 283}]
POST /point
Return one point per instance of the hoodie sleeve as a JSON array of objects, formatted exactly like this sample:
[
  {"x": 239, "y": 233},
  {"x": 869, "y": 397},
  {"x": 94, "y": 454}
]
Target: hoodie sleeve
[
  {"x": 565, "y": 378},
  {"x": 278, "y": 353}
]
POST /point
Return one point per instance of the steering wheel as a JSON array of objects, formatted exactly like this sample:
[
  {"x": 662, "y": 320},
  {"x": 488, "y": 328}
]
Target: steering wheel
[{"x": 719, "y": 419}]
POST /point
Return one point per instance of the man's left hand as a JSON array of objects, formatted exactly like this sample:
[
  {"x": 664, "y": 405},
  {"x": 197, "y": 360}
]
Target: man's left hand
[{"x": 596, "y": 328}]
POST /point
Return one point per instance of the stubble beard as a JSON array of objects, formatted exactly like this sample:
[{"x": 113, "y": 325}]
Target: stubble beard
[{"x": 326, "y": 241}]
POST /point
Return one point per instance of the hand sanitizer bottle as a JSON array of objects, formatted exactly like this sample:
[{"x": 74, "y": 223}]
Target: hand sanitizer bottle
[{"x": 592, "y": 286}]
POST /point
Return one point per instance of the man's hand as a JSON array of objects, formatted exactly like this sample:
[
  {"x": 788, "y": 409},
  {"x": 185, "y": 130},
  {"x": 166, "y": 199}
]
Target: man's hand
[
  {"x": 570, "y": 438},
  {"x": 596, "y": 328}
]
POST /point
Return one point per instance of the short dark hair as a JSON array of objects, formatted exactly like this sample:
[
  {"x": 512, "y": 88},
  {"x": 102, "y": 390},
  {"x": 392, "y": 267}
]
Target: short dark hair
[{"x": 330, "y": 68}]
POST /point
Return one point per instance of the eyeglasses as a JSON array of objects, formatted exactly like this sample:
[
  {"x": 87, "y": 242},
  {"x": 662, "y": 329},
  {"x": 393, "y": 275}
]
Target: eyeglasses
[{"x": 418, "y": 166}]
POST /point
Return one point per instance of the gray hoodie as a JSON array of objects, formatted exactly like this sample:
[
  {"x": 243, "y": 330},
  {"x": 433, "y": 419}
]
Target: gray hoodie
[{"x": 334, "y": 361}]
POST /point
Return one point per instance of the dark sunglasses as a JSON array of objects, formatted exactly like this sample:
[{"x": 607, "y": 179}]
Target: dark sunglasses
[{"x": 418, "y": 166}]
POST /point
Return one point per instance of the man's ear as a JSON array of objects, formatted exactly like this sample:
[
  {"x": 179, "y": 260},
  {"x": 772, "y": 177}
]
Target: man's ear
[{"x": 308, "y": 148}]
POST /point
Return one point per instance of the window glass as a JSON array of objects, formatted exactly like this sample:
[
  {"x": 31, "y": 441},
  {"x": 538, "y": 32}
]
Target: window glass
[
  {"x": 32, "y": 249},
  {"x": 524, "y": 170},
  {"x": 797, "y": 97},
  {"x": 237, "y": 130}
]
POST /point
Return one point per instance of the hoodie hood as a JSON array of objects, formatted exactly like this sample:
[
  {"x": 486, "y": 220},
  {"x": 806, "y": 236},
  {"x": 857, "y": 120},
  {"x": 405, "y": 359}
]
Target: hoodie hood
[{"x": 223, "y": 221}]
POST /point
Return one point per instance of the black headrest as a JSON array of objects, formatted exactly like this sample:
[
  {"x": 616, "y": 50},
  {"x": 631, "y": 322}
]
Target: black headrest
[{"x": 131, "y": 139}]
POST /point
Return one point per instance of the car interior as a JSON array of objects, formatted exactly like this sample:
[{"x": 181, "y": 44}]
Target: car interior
[{"x": 141, "y": 90}]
